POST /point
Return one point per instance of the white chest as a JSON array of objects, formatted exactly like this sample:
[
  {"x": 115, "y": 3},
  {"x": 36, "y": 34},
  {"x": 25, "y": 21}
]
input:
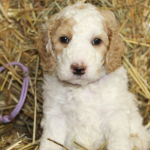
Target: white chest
[{"x": 84, "y": 117}]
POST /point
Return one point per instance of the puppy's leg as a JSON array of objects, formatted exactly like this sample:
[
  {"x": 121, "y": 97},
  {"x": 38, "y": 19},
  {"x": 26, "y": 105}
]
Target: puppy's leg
[
  {"x": 54, "y": 127},
  {"x": 117, "y": 130}
]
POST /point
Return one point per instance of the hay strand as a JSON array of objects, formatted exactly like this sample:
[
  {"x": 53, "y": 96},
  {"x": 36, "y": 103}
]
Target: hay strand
[{"x": 57, "y": 143}]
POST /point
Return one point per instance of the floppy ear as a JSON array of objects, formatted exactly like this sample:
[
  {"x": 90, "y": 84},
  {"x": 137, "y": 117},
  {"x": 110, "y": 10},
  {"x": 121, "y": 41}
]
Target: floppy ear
[
  {"x": 45, "y": 47},
  {"x": 116, "y": 46}
]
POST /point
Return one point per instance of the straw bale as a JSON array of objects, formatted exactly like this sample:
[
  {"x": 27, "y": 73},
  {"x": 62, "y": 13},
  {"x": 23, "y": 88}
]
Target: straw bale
[{"x": 20, "y": 21}]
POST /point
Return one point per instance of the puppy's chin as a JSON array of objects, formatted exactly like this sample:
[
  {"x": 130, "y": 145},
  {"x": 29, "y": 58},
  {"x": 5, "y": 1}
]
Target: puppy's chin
[
  {"x": 74, "y": 80},
  {"x": 79, "y": 81}
]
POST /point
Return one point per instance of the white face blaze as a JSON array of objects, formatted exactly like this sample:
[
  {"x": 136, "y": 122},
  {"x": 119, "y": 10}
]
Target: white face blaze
[{"x": 80, "y": 49}]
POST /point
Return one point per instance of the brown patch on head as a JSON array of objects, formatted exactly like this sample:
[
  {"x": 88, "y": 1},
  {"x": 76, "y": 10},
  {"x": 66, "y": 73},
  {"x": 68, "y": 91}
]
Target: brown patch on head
[
  {"x": 48, "y": 41},
  {"x": 65, "y": 30},
  {"x": 81, "y": 6},
  {"x": 116, "y": 46},
  {"x": 102, "y": 47}
]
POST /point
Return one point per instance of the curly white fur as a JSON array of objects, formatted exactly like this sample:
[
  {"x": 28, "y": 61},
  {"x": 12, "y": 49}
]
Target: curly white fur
[{"x": 95, "y": 107}]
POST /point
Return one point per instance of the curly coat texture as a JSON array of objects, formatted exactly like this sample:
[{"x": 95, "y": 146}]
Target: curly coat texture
[{"x": 86, "y": 98}]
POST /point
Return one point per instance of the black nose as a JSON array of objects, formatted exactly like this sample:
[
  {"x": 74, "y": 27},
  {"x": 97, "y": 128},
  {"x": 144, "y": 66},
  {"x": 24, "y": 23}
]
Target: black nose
[{"x": 78, "y": 70}]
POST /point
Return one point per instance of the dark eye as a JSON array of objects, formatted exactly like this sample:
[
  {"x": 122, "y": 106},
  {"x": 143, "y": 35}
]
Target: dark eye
[
  {"x": 64, "y": 40},
  {"x": 96, "y": 41}
]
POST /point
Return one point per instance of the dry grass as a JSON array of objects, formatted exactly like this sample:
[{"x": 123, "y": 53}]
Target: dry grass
[{"x": 19, "y": 24}]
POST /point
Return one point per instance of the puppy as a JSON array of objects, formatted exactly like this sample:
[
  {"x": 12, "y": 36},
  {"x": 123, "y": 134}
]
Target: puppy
[{"x": 86, "y": 97}]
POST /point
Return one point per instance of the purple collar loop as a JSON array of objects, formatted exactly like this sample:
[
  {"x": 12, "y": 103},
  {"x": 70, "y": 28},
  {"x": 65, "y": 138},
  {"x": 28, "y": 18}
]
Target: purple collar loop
[{"x": 7, "y": 119}]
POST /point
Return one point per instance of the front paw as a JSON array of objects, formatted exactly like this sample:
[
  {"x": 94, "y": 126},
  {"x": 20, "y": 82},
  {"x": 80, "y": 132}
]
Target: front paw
[{"x": 120, "y": 145}]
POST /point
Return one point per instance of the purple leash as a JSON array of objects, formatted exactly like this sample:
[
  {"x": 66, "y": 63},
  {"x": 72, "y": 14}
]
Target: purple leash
[{"x": 7, "y": 119}]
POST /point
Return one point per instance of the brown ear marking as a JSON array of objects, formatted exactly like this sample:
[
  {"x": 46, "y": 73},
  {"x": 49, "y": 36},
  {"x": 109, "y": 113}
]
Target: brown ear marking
[
  {"x": 46, "y": 60},
  {"x": 45, "y": 47},
  {"x": 116, "y": 46}
]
